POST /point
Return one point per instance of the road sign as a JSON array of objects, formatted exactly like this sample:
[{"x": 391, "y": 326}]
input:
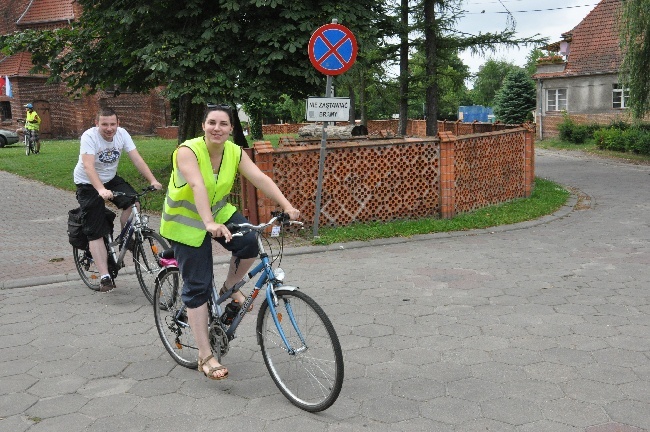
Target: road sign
[
  {"x": 332, "y": 49},
  {"x": 328, "y": 109}
]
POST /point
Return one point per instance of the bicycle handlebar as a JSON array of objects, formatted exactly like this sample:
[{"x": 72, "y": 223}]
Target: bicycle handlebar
[
  {"x": 277, "y": 216},
  {"x": 135, "y": 195}
]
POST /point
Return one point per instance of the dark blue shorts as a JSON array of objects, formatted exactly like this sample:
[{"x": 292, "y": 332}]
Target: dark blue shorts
[{"x": 196, "y": 265}]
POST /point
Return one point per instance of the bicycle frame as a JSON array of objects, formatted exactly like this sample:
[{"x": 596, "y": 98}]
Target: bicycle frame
[
  {"x": 133, "y": 223},
  {"x": 268, "y": 279},
  {"x": 125, "y": 234}
]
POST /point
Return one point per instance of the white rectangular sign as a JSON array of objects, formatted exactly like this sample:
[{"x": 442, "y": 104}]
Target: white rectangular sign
[{"x": 328, "y": 109}]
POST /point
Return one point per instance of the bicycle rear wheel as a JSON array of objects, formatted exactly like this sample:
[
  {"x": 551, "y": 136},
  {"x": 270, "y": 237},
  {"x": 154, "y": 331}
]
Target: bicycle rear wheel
[
  {"x": 86, "y": 267},
  {"x": 146, "y": 260},
  {"x": 171, "y": 319},
  {"x": 311, "y": 377}
]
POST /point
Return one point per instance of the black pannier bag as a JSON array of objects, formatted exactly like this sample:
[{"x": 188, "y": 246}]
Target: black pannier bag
[{"x": 76, "y": 236}]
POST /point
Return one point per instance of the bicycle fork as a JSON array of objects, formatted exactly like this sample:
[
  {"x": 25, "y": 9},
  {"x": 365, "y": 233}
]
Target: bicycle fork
[{"x": 274, "y": 303}]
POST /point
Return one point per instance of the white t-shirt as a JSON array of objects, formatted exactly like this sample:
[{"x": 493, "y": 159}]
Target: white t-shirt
[{"x": 107, "y": 154}]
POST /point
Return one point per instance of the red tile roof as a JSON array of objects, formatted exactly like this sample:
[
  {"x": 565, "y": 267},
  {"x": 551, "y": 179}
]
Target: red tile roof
[
  {"x": 47, "y": 11},
  {"x": 17, "y": 65},
  {"x": 594, "y": 43}
]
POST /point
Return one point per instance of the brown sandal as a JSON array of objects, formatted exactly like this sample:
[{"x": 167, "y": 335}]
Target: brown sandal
[
  {"x": 212, "y": 370},
  {"x": 224, "y": 289}
]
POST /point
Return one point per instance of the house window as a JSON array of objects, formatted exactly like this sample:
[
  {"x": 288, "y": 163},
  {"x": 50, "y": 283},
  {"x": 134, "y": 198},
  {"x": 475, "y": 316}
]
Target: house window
[
  {"x": 5, "y": 111},
  {"x": 556, "y": 99},
  {"x": 620, "y": 96}
]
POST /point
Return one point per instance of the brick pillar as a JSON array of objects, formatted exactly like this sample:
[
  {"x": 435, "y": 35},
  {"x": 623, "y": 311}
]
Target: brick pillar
[
  {"x": 248, "y": 194},
  {"x": 263, "y": 155},
  {"x": 447, "y": 175},
  {"x": 529, "y": 160}
]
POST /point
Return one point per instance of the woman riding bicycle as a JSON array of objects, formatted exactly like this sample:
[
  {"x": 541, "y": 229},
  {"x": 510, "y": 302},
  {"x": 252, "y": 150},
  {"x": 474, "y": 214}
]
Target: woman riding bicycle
[{"x": 196, "y": 210}]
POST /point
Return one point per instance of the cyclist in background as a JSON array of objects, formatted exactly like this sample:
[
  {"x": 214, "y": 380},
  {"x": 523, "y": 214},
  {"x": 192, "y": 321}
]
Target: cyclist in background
[
  {"x": 96, "y": 177},
  {"x": 32, "y": 126}
]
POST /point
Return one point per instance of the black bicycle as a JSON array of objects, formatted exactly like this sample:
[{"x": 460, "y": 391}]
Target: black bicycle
[
  {"x": 144, "y": 243},
  {"x": 28, "y": 139}
]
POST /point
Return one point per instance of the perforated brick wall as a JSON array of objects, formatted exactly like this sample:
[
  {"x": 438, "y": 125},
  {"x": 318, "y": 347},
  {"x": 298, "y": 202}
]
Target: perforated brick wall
[
  {"x": 382, "y": 180},
  {"x": 413, "y": 127},
  {"x": 491, "y": 168}
]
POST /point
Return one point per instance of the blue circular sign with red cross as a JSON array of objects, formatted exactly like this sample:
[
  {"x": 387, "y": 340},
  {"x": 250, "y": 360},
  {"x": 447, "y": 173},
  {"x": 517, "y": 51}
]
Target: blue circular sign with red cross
[{"x": 332, "y": 49}]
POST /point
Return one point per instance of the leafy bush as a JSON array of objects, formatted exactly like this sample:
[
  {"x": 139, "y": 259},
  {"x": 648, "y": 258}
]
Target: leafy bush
[
  {"x": 609, "y": 139},
  {"x": 619, "y": 124},
  {"x": 631, "y": 139},
  {"x": 637, "y": 140},
  {"x": 575, "y": 133}
]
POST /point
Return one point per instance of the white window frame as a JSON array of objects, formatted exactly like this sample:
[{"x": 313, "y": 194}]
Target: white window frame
[
  {"x": 556, "y": 99},
  {"x": 620, "y": 97}
]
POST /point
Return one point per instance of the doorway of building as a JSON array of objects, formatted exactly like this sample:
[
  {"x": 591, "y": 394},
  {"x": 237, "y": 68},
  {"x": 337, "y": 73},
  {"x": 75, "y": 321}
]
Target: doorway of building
[{"x": 43, "y": 110}]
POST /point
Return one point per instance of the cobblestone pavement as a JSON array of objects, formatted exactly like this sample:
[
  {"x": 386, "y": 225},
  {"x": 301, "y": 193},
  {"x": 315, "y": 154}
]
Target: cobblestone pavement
[{"x": 541, "y": 326}]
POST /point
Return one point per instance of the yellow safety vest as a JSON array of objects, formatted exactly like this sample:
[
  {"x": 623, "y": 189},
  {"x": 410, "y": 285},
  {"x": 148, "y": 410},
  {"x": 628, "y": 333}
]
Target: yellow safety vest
[
  {"x": 180, "y": 219},
  {"x": 33, "y": 117}
]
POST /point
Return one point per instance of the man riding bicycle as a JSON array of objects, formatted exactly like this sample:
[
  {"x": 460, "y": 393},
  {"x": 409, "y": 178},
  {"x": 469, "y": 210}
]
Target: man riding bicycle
[
  {"x": 32, "y": 126},
  {"x": 96, "y": 177}
]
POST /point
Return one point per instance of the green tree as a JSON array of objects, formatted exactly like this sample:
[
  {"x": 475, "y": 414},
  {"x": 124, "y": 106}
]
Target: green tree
[
  {"x": 514, "y": 102},
  {"x": 635, "y": 44},
  {"x": 452, "y": 76},
  {"x": 435, "y": 20},
  {"x": 531, "y": 60},
  {"x": 489, "y": 79},
  {"x": 233, "y": 51}
]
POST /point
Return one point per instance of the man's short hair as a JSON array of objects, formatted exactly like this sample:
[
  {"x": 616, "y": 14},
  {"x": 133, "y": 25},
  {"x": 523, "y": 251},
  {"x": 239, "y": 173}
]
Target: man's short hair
[{"x": 106, "y": 112}]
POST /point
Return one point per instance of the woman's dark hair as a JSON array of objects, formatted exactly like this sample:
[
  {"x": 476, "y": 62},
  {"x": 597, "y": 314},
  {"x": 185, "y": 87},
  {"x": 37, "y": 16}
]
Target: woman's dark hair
[{"x": 217, "y": 107}]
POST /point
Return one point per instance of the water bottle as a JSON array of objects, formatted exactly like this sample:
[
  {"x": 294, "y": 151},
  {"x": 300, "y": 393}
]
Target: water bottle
[{"x": 230, "y": 312}]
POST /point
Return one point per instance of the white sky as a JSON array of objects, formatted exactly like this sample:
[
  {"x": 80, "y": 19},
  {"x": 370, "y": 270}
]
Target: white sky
[{"x": 548, "y": 18}]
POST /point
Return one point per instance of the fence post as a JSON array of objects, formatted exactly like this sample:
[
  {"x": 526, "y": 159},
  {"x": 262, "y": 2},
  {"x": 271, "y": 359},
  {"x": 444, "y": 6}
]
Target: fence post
[
  {"x": 248, "y": 194},
  {"x": 529, "y": 159},
  {"x": 447, "y": 175},
  {"x": 260, "y": 205}
]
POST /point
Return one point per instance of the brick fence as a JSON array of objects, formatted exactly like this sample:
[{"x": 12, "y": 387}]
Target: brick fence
[
  {"x": 413, "y": 127},
  {"x": 399, "y": 178}
]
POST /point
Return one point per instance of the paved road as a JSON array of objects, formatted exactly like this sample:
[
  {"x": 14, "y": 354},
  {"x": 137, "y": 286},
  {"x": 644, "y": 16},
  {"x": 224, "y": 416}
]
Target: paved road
[{"x": 542, "y": 326}]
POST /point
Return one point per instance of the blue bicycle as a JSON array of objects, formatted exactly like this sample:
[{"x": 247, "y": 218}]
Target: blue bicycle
[{"x": 299, "y": 344}]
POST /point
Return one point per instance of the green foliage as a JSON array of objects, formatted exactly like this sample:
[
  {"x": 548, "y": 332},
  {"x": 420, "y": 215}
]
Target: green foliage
[
  {"x": 514, "y": 102},
  {"x": 575, "y": 133},
  {"x": 635, "y": 44},
  {"x": 489, "y": 80},
  {"x": 531, "y": 60},
  {"x": 211, "y": 50},
  {"x": 630, "y": 139},
  {"x": 452, "y": 75}
]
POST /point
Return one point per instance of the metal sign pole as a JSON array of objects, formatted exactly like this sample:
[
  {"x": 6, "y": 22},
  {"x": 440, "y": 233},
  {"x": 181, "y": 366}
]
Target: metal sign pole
[{"x": 321, "y": 162}]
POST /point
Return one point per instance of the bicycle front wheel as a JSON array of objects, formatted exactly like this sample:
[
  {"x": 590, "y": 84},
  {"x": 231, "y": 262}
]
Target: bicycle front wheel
[
  {"x": 310, "y": 373},
  {"x": 171, "y": 319},
  {"x": 86, "y": 267},
  {"x": 27, "y": 147},
  {"x": 147, "y": 262}
]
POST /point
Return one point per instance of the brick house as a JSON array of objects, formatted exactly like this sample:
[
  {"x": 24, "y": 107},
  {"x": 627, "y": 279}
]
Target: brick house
[
  {"x": 63, "y": 115},
  {"x": 582, "y": 79}
]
